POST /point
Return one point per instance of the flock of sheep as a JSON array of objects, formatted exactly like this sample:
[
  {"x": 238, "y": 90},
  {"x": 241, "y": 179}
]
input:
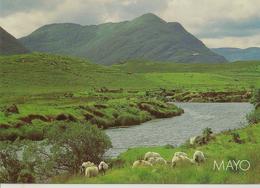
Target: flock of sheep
[
  {"x": 150, "y": 159},
  {"x": 153, "y": 158}
]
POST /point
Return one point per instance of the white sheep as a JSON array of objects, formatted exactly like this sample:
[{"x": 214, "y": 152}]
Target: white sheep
[
  {"x": 193, "y": 140},
  {"x": 198, "y": 157},
  {"x": 140, "y": 163},
  {"x": 91, "y": 171},
  {"x": 160, "y": 160},
  {"x": 157, "y": 160},
  {"x": 180, "y": 153},
  {"x": 85, "y": 165},
  {"x": 151, "y": 154},
  {"x": 103, "y": 167},
  {"x": 180, "y": 159}
]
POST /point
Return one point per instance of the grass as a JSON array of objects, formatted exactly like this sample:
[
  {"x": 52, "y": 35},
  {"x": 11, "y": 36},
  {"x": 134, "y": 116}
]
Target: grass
[
  {"x": 50, "y": 85},
  {"x": 218, "y": 150}
]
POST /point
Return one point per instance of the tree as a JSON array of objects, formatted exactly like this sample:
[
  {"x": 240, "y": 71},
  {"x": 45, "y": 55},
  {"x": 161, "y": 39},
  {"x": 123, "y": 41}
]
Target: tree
[{"x": 75, "y": 143}]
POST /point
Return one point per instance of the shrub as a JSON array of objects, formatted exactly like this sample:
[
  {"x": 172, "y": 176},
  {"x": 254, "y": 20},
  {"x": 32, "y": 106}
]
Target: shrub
[
  {"x": 254, "y": 117},
  {"x": 256, "y": 97},
  {"x": 75, "y": 143}
]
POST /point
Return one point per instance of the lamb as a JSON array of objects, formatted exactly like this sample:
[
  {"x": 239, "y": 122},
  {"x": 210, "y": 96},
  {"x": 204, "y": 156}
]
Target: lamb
[
  {"x": 140, "y": 163},
  {"x": 151, "y": 154},
  {"x": 91, "y": 171},
  {"x": 198, "y": 157},
  {"x": 180, "y": 159},
  {"x": 103, "y": 167}
]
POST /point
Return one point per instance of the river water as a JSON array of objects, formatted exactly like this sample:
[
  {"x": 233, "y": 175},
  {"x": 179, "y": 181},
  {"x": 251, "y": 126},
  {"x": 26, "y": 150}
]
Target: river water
[{"x": 176, "y": 130}]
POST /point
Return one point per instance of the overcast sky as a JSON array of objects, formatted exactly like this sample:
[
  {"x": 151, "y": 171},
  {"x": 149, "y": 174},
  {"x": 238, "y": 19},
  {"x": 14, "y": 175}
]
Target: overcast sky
[{"x": 218, "y": 23}]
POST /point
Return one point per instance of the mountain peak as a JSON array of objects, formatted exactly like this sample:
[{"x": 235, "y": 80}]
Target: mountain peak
[{"x": 149, "y": 17}]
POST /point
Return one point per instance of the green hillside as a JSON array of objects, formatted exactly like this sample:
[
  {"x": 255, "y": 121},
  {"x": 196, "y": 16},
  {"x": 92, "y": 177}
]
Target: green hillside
[
  {"x": 146, "y": 37},
  {"x": 9, "y": 45}
]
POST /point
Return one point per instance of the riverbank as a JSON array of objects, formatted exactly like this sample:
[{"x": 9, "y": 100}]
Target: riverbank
[
  {"x": 175, "y": 131},
  {"x": 29, "y": 121},
  {"x": 222, "y": 148}
]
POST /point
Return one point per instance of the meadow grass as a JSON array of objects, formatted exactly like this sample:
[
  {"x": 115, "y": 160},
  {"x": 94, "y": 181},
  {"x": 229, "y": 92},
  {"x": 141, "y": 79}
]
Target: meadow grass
[{"x": 217, "y": 150}]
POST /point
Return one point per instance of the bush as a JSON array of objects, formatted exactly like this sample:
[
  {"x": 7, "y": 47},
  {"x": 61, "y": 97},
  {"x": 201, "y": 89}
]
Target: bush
[
  {"x": 75, "y": 143},
  {"x": 256, "y": 98},
  {"x": 254, "y": 117}
]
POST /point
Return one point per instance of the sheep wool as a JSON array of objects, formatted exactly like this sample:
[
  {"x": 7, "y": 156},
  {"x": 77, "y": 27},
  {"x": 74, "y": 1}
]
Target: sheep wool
[
  {"x": 198, "y": 157},
  {"x": 151, "y": 154},
  {"x": 141, "y": 163},
  {"x": 180, "y": 159},
  {"x": 180, "y": 153},
  {"x": 103, "y": 167},
  {"x": 91, "y": 171}
]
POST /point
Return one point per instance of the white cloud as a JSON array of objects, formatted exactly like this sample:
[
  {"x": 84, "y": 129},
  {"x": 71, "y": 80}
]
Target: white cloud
[{"x": 236, "y": 42}]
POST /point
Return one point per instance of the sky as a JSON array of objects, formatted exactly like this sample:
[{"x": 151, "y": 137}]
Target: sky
[{"x": 218, "y": 23}]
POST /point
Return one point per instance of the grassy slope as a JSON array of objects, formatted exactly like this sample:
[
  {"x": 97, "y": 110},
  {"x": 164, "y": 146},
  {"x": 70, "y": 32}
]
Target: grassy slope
[
  {"x": 228, "y": 76},
  {"x": 220, "y": 149},
  {"x": 38, "y": 82}
]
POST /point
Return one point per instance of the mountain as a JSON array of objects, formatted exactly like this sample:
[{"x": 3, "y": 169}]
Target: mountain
[
  {"x": 238, "y": 54},
  {"x": 146, "y": 37},
  {"x": 9, "y": 45}
]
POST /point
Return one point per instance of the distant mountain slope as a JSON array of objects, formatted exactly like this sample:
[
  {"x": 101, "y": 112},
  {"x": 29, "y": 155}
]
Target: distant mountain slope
[
  {"x": 237, "y": 54},
  {"x": 9, "y": 45},
  {"x": 146, "y": 37}
]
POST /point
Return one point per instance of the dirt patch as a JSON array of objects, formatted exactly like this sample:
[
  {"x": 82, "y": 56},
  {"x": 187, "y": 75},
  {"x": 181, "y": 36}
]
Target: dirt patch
[
  {"x": 31, "y": 117},
  {"x": 65, "y": 117}
]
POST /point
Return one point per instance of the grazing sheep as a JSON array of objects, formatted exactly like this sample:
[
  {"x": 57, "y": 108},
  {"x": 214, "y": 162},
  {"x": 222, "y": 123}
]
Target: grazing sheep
[
  {"x": 194, "y": 140},
  {"x": 198, "y": 157},
  {"x": 140, "y": 163},
  {"x": 103, "y": 167},
  {"x": 152, "y": 160},
  {"x": 157, "y": 160},
  {"x": 91, "y": 171},
  {"x": 180, "y": 159},
  {"x": 151, "y": 154},
  {"x": 180, "y": 153},
  {"x": 160, "y": 160},
  {"x": 85, "y": 165}
]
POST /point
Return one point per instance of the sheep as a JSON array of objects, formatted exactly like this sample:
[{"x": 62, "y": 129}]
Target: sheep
[
  {"x": 140, "y": 163},
  {"x": 91, "y": 171},
  {"x": 180, "y": 159},
  {"x": 157, "y": 160},
  {"x": 152, "y": 160},
  {"x": 151, "y": 154},
  {"x": 193, "y": 140},
  {"x": 85, "y": 165},
  {"x": 103, "y": 167},
  {"x": 180, "y": 153},
  {"x": 160, "y": 160},
  {"x": 198, "y": 157}
]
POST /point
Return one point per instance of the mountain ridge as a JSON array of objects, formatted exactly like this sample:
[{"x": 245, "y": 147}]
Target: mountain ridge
[
  {"x": 9, "y": 45},
  {"x": 145, "y": 37},
  {"x": 239, "y": 54}
]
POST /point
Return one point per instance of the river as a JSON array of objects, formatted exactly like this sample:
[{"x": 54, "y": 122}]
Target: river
[{"x": 176, "y": 130}]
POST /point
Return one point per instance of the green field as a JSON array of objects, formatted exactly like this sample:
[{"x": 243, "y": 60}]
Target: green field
[
  {"x": 218, "y": 150},
  {"x": 49, "y": 88}
]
